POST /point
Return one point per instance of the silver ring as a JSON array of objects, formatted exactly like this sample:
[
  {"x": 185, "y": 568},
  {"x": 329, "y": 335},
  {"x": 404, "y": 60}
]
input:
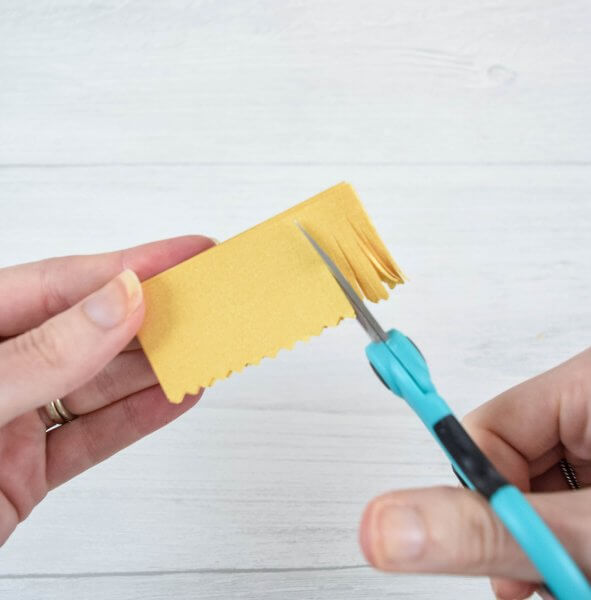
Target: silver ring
[
  {"x": 58, "y": 413},
  {"x": 569, "y": 474}
]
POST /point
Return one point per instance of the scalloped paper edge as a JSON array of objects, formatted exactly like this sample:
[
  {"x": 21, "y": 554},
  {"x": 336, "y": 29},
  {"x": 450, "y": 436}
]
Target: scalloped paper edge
[{"x": 261, "y": 291}]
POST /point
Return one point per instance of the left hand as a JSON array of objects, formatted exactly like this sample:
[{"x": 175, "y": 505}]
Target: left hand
[{"x": 68, "y": 326}]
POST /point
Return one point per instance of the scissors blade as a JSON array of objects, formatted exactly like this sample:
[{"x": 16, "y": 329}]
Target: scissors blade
[{"x": 365, "y": 318}]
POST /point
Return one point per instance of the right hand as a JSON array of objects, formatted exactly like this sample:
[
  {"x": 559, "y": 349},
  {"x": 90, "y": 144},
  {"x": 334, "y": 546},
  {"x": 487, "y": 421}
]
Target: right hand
[{"x": 525, "y": 432}]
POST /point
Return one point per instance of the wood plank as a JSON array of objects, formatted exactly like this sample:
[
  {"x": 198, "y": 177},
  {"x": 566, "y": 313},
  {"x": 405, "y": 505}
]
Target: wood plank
[
  {"x": 342, "y": 583},
  {"x": 300, "y": 81},
  {"x": 230, "y": 488}
]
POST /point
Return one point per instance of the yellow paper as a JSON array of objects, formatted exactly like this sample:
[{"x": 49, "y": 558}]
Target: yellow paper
[{"x": 261, "y": 291}]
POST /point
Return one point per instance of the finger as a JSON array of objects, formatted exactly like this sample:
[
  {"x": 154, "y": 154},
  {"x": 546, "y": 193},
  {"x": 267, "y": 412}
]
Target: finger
[
  {"x": 551, "y": 481},
  {"x": 507, "y": 589},
  {"x": 556, "y": 407},
  {"x": 554, "y": 479},
  {"x": 69, "y": 349},
  {"x": 34, "y": 292},
  {"x": 126, "y": 374},
  {"x": 90, "y": 439},
  {"x": 449, "y": 530}
]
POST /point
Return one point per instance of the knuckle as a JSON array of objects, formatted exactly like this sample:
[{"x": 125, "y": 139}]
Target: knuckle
[
  {"x": 90, "y": 445},
  {"x": 471, "y": 421},
  {"x": 483, "y": 542},
  {"x": 53, "y": 300},
  {"x": 106, "y": 385},
  {"x": 131, "y": 415},
  {"x": 576, "y": 414},
  {"x": 42, "y": 345}
]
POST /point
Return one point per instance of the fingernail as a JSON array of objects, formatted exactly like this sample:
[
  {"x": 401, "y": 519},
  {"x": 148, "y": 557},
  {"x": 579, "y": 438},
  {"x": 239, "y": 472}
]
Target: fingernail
[
  {"x": 402, "y": 533},
  {"x": 114, "y": 302},
  {"x": 214, "y": 240}
]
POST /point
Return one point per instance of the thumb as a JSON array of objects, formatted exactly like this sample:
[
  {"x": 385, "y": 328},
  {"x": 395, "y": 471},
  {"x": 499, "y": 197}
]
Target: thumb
[
  {"x": 451, "y": 530},
  {"x": 69, "y": 349}
]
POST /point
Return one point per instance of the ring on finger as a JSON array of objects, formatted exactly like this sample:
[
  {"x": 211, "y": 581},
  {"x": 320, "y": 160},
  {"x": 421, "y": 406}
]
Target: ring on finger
[
  {"x": 569, "y": 473},
  {"x": 58, "y": 413}
]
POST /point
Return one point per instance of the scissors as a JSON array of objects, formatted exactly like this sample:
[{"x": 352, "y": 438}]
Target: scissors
[{"x": 401, "y": 367}]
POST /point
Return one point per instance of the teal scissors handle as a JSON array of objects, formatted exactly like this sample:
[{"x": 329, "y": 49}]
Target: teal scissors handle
[{"x": 403, "y": 370}]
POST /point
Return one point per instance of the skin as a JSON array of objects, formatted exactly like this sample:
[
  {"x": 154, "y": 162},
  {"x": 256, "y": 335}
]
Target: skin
[
  {"x": 525, "y": 432},
  {"x": 50, "y": 349}
]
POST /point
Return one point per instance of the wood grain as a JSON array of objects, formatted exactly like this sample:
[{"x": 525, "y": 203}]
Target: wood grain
[
  {"x": 297, "y": 81},
  {"x": 465, "y": 131},
  {"x": 363, "y": 584}
]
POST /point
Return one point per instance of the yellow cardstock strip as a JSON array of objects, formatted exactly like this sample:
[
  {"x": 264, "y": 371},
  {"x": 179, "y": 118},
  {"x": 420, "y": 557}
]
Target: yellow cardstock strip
[{"x": 261, "y": 291}]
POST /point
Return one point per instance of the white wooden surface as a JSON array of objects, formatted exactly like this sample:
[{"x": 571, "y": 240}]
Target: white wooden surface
[{"x": 465, "y": 128}]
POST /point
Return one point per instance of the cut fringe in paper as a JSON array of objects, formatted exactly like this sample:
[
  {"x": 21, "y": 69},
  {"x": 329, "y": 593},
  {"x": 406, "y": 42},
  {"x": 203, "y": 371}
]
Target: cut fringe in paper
[{"x": 261, "y": 291}]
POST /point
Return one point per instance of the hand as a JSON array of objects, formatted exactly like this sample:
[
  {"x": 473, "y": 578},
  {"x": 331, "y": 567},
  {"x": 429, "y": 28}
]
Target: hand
[
  {"x": 69, "y": 323},
  {"x": 525, "y": 432}
]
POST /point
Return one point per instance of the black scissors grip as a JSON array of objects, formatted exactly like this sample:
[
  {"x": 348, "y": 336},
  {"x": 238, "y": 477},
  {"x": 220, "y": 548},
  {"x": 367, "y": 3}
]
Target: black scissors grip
[
  {"x": 483, "y": 475},
  {"x": 474, "y": 465}
]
